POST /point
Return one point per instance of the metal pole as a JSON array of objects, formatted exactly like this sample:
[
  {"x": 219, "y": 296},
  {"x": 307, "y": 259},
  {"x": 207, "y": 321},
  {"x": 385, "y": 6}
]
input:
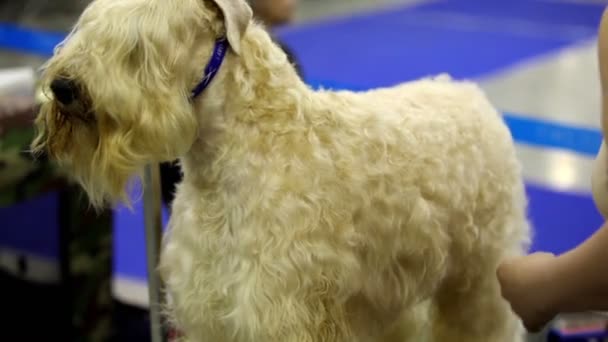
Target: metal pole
[{"x": 153, "y": 223}]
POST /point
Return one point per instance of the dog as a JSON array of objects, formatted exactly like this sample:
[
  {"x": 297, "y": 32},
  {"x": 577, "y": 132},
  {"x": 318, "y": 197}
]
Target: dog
[{"x": 304, "y": 215}]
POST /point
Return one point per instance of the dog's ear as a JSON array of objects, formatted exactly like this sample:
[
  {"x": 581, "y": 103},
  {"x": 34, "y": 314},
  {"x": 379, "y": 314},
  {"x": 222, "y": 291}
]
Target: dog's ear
[{"x": 237, "y": 16}]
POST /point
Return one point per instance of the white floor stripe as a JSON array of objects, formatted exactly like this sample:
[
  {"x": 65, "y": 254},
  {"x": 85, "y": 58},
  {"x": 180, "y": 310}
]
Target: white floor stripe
[
  {"x": 556, "y": 169},
  {"x": 131, "y": 291},
  {"x": 562, "y": 86},
  {"x": 312, "y": 11}
]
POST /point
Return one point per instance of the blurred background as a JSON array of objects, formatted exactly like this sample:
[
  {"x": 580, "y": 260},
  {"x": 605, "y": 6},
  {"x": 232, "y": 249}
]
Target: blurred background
[{"x": 70, "y": 274}]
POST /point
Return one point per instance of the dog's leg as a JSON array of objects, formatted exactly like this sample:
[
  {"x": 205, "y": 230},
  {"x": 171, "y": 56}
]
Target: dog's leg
[
  {"x": 412, "y": 326},
  {"x": 286, "y": 297},
  {"x": 474, "y": 312},
  {"x": 468, "y": 304},
  {"x": 263, "y": 312}
]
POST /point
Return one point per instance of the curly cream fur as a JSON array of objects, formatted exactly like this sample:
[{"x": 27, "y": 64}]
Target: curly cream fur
[{"x": 303, "y": 215}]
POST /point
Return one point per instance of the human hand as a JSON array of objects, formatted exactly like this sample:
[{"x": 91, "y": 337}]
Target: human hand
[
  {"x": 528, "y": 284},
  {"x": 599, "y": 180}
]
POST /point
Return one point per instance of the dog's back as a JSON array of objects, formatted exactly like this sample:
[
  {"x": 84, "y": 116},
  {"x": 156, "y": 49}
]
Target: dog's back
[{"x": 434, "y": 186}]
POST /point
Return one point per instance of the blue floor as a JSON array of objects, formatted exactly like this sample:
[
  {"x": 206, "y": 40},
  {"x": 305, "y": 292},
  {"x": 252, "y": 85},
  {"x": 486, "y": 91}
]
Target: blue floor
[
  {"x": 382, "y": 49},
  {"x": 393, "y": 46}
]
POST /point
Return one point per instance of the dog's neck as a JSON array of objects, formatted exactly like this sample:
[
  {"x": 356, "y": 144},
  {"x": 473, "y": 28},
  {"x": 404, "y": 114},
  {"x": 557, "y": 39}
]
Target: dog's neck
[
  {"x": 261, "y": 79},
  {"x": 256, "y": 87}
]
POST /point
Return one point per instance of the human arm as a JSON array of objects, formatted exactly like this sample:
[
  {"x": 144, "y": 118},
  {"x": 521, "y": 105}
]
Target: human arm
[{"x": 541, "y": 285}]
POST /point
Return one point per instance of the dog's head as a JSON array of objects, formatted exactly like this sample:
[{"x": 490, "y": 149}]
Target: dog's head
[{"x": 120, "y": 86}]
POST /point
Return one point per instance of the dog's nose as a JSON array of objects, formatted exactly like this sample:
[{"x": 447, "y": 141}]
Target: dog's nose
[{"x": 64, "y": 90}]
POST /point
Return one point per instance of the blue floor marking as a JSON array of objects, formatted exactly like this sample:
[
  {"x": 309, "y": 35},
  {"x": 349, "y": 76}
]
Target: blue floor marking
[
  {"x": 389, "y": 50},
  {"x": 28, "y": 41},
  {"x": 546, "y": 134}
]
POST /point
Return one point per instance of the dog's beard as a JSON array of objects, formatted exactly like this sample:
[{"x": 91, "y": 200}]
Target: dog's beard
[
  {"x": 73, "y": 139},
  {"x": 63, "y": 126}
]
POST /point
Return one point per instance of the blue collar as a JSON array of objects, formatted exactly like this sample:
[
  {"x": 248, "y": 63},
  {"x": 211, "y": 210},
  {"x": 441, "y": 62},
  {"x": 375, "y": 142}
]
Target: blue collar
[{"x": 219, "y": 52}]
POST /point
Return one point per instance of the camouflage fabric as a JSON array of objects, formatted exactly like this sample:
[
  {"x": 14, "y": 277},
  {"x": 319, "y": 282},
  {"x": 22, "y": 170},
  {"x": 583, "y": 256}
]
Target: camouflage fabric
[
  {"x": 85, "y": 236},
  {"x": 20, "y": 176},
  {"x": 88, "y": 245}
]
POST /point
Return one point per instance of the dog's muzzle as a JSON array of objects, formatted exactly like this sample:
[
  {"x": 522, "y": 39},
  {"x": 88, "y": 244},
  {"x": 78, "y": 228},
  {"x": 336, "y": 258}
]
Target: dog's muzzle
[
  {"x": 64, "y": 90},
  {"x": 74, "y": 103}
]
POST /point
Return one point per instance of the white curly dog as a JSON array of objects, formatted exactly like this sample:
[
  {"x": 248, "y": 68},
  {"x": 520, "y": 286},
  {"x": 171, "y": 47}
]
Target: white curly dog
[{"x": 303, "y": 215}]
